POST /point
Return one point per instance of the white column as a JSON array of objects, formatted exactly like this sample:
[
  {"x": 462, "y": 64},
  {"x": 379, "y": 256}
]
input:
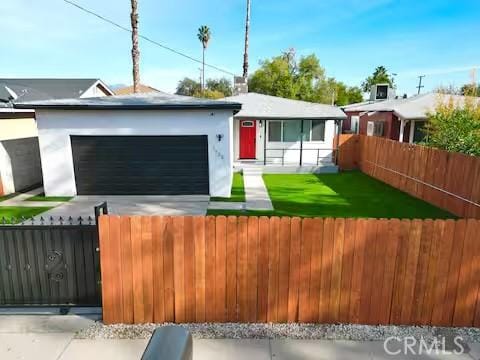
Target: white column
[
  {"x": 402, "y": 129},
  {"x": 412, "y": 131}
]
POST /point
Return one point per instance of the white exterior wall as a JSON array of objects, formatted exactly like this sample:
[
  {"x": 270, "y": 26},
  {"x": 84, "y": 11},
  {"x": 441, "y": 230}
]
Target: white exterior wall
[
  {"x": 6, "y": 172},
  {"x": 292, "y": 157},
  {"x": 56, "y": 126},
  {"x": 13, "y": 128},
  {"x": 94, "y": 91}
]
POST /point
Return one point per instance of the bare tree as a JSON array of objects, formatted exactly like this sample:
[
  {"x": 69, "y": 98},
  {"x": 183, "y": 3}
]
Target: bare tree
[
  {"x": 247, "y": 33},
  {"x": 135, "y": 50},
  {"x": 204, "y": 36}
]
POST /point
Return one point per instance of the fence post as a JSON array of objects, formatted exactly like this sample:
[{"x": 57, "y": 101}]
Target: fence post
[{"x": 101, "y": 209}]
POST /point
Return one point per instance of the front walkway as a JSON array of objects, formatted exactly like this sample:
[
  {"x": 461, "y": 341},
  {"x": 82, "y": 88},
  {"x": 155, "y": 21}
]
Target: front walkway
[{"x": 256, "y": 194}]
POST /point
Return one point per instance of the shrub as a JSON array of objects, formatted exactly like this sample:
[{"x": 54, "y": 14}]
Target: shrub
[{"x": 455, "y": 125}]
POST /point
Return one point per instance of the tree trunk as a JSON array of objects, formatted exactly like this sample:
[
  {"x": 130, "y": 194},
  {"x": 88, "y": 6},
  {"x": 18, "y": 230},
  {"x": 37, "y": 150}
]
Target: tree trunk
[
  {"x": 203, "y": 70},
  {"x": 135, "y": 50},
  {"x": 247, "y": 31}
]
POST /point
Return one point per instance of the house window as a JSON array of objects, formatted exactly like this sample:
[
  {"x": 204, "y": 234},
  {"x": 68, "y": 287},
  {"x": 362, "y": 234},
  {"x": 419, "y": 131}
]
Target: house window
[
  {"x": 247, "y": 124},
  {"x": 354, "y": 124},
  {"x": 290, "y": 130},
  {"x": 275, "y": 131},
  {"x": 318, "y": 130},
  {"x": 378, "y": 128}
]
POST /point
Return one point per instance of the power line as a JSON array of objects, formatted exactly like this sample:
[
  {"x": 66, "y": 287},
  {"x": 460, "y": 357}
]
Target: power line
[{"x": 124, "y": 28}]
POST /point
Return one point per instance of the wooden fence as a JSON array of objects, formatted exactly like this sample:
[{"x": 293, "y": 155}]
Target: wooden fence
[
  {"x": 348, "y": 156},
  {"x": 249, "y": 269},
  {"x": 448, "y": 180}
]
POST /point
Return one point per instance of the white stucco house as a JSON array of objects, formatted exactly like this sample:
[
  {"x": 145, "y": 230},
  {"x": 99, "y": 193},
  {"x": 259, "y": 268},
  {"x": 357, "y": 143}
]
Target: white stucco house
[
  {"x": 274, "y": 131},
  {"x": 143, "y": 144}
]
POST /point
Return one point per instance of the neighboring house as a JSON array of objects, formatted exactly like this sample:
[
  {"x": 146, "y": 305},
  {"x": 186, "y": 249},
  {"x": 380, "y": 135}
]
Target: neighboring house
[
  {"x": 142, "y": 144},
  {"x": 401, "y": 119},
  {"x": 141, "y": 89},
  {"x": 19, "y": 152},
  {"x": 271, "y": 130}
]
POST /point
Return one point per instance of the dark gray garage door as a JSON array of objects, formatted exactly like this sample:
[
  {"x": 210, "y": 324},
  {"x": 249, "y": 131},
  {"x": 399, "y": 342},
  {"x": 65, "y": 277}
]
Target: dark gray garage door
[{"x": 140, "y": 165}]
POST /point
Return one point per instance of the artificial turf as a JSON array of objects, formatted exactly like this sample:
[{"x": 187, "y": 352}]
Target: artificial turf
[
  {"x": 344, "y": 195},
  {"x": 9, "y": 213},
  {"x": 238, "y": 191},
  {"x": 42, "y": 197}
]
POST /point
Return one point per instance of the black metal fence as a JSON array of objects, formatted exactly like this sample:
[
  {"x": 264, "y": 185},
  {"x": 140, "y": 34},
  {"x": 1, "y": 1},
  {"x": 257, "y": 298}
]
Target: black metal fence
[
  {"x": 50, "y": 261},
  {"x": 300, "y": 157}
]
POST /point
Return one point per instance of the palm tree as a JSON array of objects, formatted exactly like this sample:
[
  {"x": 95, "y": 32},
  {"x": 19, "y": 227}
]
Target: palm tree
[
  {"x": 204, "y": 36},
  {"x": 135, "y": 50},
  {"x": 247, "y": 31}
]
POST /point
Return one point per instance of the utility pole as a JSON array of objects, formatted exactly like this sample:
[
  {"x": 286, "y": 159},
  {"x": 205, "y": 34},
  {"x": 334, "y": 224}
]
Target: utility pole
[
  {"x": 420, "y": 86},
  {"x": 135, "y": 50},
  {"x": 247, "y": 31}
]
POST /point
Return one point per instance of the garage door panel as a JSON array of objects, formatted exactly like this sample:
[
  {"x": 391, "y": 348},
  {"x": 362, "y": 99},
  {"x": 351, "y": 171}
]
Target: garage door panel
[{"x": 140, "y": 165}]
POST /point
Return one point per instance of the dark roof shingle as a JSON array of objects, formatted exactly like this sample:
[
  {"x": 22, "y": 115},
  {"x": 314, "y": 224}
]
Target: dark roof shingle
[
  {"x": 43, "y": 89},
  {"x": 140, "y": 101}
]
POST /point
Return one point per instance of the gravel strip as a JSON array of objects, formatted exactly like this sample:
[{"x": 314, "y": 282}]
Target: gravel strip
[{"x": 281, "y": 331}]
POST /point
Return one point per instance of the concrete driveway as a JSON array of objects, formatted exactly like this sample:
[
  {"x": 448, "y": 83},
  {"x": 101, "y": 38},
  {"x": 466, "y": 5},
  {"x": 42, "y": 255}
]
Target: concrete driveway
[{"x": 133, "y": 205}]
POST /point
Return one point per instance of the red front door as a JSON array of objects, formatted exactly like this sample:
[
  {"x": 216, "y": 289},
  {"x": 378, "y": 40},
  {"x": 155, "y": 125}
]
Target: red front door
[{"x": 248, "y": 133}]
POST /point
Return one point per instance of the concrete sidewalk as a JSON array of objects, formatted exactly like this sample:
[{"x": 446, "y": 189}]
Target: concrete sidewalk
[{"x": 43, "y": 337}]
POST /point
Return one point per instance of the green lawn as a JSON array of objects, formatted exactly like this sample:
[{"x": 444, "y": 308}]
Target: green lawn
[
  {"x": 238, "y": 191},
  {"x": 42, "y": 197},
  {"x": 6, "y": 197},
  {"x": 9, "y": 212},
  {"x": 348, "y": 194}
]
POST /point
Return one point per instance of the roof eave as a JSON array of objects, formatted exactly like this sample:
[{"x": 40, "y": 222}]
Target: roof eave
[
  {"x": 131, "y": 107},
  {"x": 260, "y": 117}
]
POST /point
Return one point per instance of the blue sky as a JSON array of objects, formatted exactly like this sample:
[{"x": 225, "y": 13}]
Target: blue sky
[{"x": 437, "y": 38}]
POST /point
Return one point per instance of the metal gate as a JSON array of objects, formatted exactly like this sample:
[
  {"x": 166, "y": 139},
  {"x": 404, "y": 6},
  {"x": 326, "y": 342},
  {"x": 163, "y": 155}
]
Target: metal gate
[{"x": 49, "y": 265}]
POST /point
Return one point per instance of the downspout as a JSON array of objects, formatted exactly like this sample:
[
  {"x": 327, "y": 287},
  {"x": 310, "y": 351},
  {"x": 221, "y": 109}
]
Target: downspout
[
  {"x": 264, "y": 142},
  {"x": 338, "y": 124},
  {"x": 301, "y": 142}
]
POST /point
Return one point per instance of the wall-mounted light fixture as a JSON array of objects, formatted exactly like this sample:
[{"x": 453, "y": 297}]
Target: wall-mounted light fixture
[
  {"x": 219, "y": 137},
  {"x": 260, "y": 123}
]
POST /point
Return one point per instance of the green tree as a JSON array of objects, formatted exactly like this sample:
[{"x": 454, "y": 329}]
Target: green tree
[
  {"x": 345, "y": 95},
  {"x": 379, "y": 76},
  {"x": 209, "y": 94},
  {"x": 187, "y": 87},
  {"x": 222, "y": 85},
  {"x": 455, "y": 127},
  {"x": 204, "y": 36},
  {"x": 470, "y": 90},
  {"x": 275, "y": 78},
  {"x": 304, "y": 79}
]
